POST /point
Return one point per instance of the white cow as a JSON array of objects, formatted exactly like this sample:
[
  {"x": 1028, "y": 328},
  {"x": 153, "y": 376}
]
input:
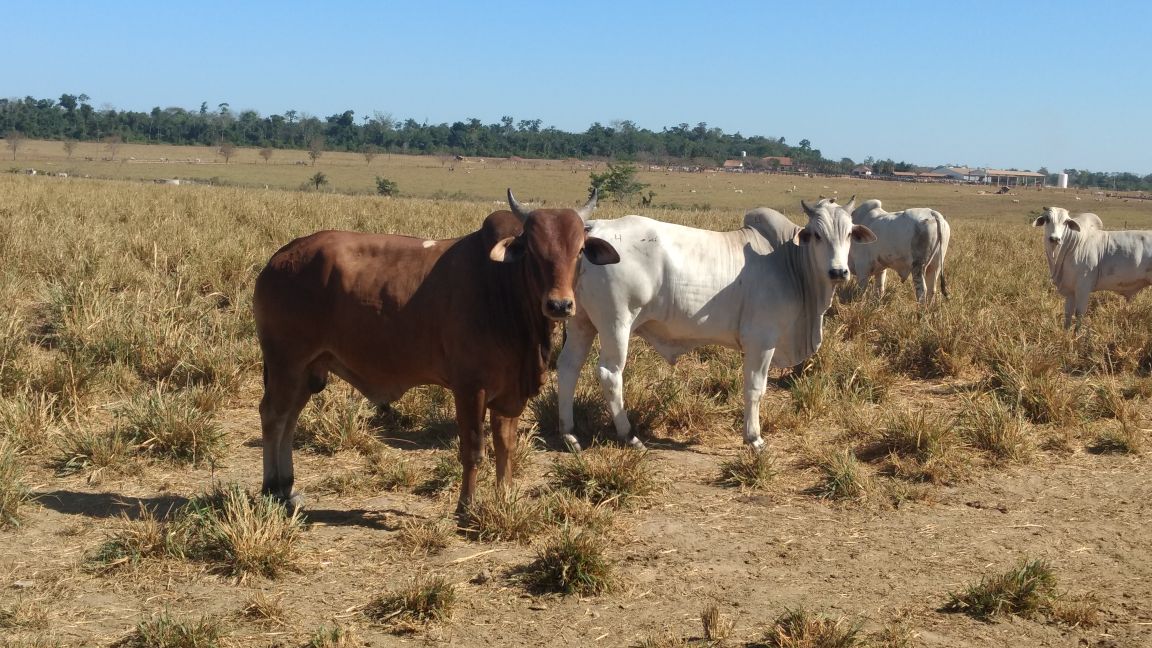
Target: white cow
[
  {"x": 1084, "y": 258},
  {"x": 911, "y": 242},
  {"x": 762, "y": 289}
]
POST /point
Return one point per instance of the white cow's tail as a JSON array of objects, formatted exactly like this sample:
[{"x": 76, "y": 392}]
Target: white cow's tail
[{"x": 938, "y": 217}]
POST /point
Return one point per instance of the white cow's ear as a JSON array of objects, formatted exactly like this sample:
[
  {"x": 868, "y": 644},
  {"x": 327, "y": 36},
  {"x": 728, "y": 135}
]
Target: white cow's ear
[
  {"x": 861, "y": 234},
  {"x": 1072, "y": 225},
  {"x": 1040, "y": 221},
  {"x": 600, "y": 252},
  {"x": 507, "y": 250},
  {"x": 802, "y": 237}
]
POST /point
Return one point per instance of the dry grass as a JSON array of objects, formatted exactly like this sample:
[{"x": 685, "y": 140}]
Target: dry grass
[
  {"x": 1122, "y": 437},
  {"x": 749, "y": 469},
  {"x": 424, "y": 600},
  {"x": 506, "y": 515},
  {"x": 13, "y": 492},
  {"x": 1024, "y": 590},
  {"x": 125, "y": 293},
  {"x": 801, "y": 628},
  {"x": 922, "y": 446},
  {"x": 842, "y": 477},
  {"x": 572, "y": 562},
  {"x": 606, "y": 474},
  {"x": 428, "y": 537},
  {"x": 171, "y": 425},
  {"x": 166, "y": 631},
  {"x": 334, "y": 637},
  {"x": 246, "y": 535}
]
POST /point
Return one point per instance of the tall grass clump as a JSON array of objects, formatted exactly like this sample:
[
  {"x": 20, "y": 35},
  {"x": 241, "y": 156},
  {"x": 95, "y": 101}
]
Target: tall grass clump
[
  {"x": 147, "y": 537},
  {"x": 842, "y": 477},
  {"x": 13, "y": 492},
  {"x": 922, "y": 446},
  {"x": 748, "y": 469},
  {"x": 989, "y": 425},
  {"x": 166, "y": 631},
  {"x": 506, "y": 515},
  {"x": 606, "y": 473},
  {"x": 1026, "y": 589},
  {"x": 171, "y": 426},
  {"x": 801, "y": 628},
  {"x": 572, "y": 562},
  {"x": 247, "y": 535},
  {"x": 28, "y": 419},
  {"x": 424, "y": 600},
  {"x": 81, "y": 449},
  {"x": 334, "y": 421},
  {"x": 334, "y": 637}
]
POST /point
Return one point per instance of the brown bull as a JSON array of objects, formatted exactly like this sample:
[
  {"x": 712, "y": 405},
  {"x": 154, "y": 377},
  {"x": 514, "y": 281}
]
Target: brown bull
[{"x": 387, "y": 313}]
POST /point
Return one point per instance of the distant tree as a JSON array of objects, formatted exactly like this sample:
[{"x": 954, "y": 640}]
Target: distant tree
[
  {"x": 113, "y": 143},
  {"x": 14, "y": 139},
  {"x": 386, "y": 187},
  {"x": 266, "y": 153},
  {"x": 315, "y": 148},
  {"x": 318, "y": 180},
  {"x": 227, "y": 150},
  {"x": 69, "y": 148},
  {"x": 369, "y": 151},
  {"x": 618, "y": 182}
]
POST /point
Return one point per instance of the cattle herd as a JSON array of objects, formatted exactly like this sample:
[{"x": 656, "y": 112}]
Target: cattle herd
[{"x": 476, "y": 314}]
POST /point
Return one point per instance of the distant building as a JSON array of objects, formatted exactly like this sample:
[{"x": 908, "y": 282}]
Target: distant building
[
  {"x": 777, "y": 162},
  {"x": 735, "y": 166},
  {"x": 997, "y": 177},
  {"x": 862, "y": 170}
]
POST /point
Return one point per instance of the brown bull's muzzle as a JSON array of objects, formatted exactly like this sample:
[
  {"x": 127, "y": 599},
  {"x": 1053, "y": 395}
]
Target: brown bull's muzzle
[{"x": 559, "y": 308}]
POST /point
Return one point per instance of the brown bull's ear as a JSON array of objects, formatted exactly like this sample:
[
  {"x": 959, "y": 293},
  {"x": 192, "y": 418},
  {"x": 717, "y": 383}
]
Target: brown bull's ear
[
  {"x": 600, "y": 252},
  {"x": 1041, "y": 221},
  {"x": 861, "y": 234},
  {"x": 508, "y": 250}
]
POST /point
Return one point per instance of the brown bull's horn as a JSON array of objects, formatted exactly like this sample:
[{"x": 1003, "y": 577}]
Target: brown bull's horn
[{"x": 517, "y": 208}]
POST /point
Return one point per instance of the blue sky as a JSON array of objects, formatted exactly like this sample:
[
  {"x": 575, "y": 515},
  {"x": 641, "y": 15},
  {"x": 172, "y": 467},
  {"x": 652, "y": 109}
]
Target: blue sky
[{"x": 1001, "y": 84}]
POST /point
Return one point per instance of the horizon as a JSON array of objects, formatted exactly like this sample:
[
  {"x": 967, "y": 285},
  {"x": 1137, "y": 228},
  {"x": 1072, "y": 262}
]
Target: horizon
[{"x": 970, "y": 89}]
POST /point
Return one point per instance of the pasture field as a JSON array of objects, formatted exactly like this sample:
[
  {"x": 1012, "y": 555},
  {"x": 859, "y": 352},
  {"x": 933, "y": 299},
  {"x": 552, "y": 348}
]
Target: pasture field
[{"x": 971, "y": 476}]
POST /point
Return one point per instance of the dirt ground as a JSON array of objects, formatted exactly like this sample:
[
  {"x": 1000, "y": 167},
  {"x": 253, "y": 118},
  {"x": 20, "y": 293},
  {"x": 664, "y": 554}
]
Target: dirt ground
[{"x": 752, "y": 553}]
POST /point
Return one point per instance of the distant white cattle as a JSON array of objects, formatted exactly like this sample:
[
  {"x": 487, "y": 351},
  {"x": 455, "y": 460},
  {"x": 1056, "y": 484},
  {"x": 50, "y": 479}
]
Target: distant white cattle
[
  {"x": 762, "y": 289},
  {"x": 910, "y": 242},
  {"x": 1084, "y": 258}
]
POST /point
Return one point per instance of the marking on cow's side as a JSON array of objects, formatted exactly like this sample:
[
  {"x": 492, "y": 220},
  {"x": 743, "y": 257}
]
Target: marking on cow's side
[{"x": 428, "y": 244}]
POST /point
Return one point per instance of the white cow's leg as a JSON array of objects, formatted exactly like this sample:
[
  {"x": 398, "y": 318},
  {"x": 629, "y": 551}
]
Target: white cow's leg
[
  {"x": 918, "y": 282},
  {"x": 756, "y": 363},
  {"x": 1069, "y": 307},
  {"x": 931, "y": 276},
  {"x": 881, "y": 281},
  {"x": 613, "y": 355},
  {"x": 1082, "y": 295},
  {"x": 577, "y": 343}
]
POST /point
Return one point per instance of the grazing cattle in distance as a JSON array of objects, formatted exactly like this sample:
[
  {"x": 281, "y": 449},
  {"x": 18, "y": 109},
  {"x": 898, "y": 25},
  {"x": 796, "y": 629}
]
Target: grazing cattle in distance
[
  {"x": 910, "y": 242},
  {"x": 1084, "y": 258},
  {"x": 387, "y": 313},
  {"x": 762, "y": 289}
]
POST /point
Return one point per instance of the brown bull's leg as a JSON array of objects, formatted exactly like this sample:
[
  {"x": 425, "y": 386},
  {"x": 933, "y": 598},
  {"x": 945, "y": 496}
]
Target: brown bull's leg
[
  {"x": 285, "y": 394},
  {"x": 470, "y": 420},
  {"x": 504, "y": 443}
]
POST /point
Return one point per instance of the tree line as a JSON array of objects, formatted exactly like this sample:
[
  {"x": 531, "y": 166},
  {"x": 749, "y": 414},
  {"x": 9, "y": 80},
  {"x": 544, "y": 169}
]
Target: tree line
[{"x": 73, "y": 117}]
